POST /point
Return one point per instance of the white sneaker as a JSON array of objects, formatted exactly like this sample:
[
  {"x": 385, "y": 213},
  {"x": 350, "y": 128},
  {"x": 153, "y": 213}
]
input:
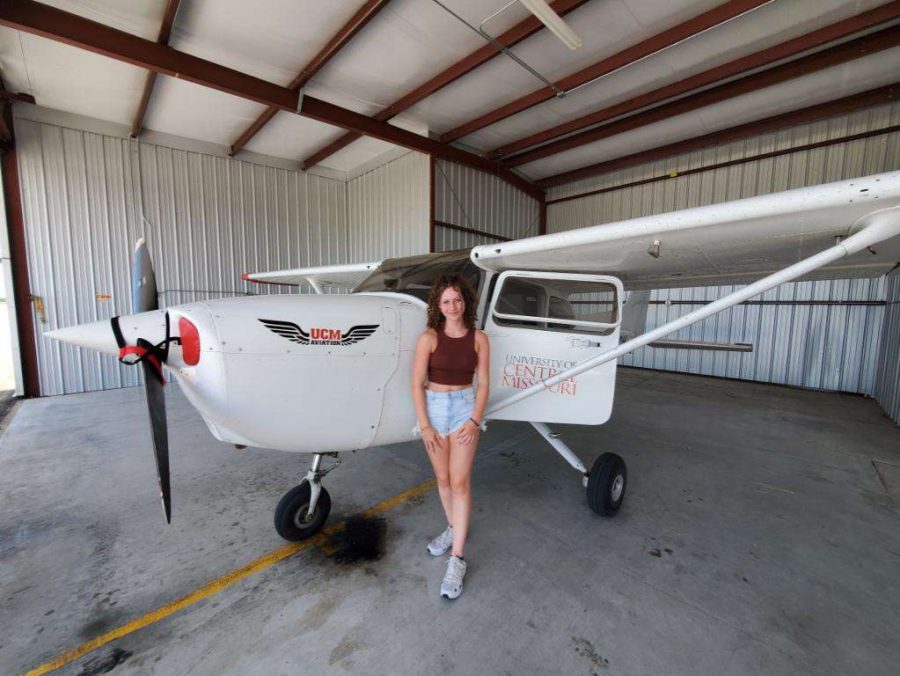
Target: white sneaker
[
  {"x": 442, "y": 543},
  {"x": 452, "y": 585}
]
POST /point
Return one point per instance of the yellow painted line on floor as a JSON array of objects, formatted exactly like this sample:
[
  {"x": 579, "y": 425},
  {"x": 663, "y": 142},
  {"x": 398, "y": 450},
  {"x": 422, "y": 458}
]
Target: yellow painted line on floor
[{"x": 323, "y": 540}]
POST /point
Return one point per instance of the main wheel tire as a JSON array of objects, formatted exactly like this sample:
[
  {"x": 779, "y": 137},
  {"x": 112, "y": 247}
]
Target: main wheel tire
[
  {"x": 607, "y": 481},
  {"x": 291, "y": 520}
]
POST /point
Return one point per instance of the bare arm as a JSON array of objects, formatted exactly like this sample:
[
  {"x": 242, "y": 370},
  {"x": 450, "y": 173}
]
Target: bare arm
[
  {"x": 424, "y": 348},
  {"x": 420, "y": 377},
  {"x": 483, "y": 373},
  {"x": 470, "y": 430}
]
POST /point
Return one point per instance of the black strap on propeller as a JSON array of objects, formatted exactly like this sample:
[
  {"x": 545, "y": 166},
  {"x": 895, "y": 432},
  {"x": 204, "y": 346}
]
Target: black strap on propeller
[
  {"x": 151, "y": 358},
  {"x": 145, "y": 351}
]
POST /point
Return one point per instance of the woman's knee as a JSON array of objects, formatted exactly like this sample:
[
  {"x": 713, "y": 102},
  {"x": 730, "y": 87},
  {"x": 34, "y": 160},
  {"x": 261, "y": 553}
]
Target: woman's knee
[
  {"x": 461, "y": 485},
  {"x": 443, "y": 479}
]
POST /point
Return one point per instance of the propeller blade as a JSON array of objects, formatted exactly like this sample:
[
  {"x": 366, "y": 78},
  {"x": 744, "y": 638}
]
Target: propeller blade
[
  {"x": 143, "y": 280},
  {"x": 156, "y": 404},
  {"x": 144, "y": 298}
]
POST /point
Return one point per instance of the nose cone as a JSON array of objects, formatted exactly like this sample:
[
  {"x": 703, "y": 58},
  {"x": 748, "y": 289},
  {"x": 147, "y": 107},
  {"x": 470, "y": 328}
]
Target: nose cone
[
  {"x": 95, "y": 336},
  {"x": 99, "y": 336}
]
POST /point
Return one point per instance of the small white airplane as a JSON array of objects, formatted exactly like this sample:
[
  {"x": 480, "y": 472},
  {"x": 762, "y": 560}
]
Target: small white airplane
[{"x": 328, "y": 373}]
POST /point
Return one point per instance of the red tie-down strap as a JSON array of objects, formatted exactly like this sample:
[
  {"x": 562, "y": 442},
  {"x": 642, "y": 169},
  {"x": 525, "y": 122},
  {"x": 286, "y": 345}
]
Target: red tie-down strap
[
  {"x": 142, "y": 353},
  {"x": 144, "y": 350}
]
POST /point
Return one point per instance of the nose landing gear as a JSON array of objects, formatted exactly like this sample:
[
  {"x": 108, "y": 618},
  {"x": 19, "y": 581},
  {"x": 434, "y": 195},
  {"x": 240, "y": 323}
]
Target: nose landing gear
[{"x": 303, "y": 510}]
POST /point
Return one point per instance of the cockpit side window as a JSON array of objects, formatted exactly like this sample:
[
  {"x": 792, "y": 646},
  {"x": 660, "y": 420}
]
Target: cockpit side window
[{"x": 415, "y": 275}]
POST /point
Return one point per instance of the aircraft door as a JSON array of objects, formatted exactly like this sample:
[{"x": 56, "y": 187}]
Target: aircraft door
[{"x": 541, "y": 323}]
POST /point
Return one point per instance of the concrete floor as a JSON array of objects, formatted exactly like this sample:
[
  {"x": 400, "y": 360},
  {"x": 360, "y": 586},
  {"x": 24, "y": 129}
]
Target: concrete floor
[{"x": 756, "y": 537}]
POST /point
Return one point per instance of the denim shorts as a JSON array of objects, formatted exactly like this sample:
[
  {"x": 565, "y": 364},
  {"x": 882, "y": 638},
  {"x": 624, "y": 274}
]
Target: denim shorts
[{"x": 449, "y": 411}]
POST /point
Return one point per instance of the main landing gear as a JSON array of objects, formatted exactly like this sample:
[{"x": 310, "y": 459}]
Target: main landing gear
[
  {"x": 302, "y": 511},
  {"x": 605, "y": 483}
]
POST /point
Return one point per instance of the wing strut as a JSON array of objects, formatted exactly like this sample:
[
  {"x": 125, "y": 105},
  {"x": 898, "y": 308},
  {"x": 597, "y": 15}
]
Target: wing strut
[{"x": 875, "y": 227}]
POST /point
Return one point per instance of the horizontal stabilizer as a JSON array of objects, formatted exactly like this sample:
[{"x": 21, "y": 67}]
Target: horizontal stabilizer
[{"x": 333, "y": 276}]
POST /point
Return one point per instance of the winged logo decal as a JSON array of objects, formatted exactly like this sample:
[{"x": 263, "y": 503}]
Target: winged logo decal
[
  {"x": 319, "y": 336},
  {"x": 357, "y": 333},
  {"x": 287, "y": 330}
]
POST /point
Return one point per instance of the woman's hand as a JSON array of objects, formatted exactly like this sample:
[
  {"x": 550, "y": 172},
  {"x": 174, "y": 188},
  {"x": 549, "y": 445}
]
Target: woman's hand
[
  {"x": 432, "y": 439},
  {"x": 469, "y": 433}
]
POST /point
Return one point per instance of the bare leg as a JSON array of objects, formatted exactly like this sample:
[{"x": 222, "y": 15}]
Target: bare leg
[
  {"x": 440, "y": 462},
  {"x": 461, "y": 459}
]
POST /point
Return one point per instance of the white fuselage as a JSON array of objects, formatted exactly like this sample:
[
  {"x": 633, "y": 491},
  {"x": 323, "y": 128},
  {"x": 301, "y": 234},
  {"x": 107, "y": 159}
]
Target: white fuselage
[
  {"x": 330, "y": 373},
  {"x": 256, "y": 387}
]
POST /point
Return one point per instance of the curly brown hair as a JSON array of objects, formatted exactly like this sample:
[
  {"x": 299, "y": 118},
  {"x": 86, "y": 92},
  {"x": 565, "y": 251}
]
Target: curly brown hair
[{"x": 461, "y": 284}]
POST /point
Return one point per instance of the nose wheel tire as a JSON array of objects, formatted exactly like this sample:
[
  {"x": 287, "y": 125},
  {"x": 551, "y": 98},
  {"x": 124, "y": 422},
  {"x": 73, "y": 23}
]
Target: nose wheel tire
[
  {"x": 607, "y": 481},
  {"x": 291, "y": 519}
]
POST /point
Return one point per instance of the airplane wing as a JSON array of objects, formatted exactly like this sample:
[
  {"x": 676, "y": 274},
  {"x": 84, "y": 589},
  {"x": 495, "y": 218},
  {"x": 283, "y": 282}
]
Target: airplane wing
[
  {"x": 337, "y": 276},
  {"x": 730, "y": 243}
]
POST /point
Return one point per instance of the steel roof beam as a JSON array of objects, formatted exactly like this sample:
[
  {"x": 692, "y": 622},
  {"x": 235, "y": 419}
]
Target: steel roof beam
[
  {"x": 523, "y": 29},
  {"x": 346, "y": 33},
  {"x": 653, "y": 44},
  {"x": 746, "y": 159},
  {"x": 323, "y": 111},
  {"x": 887, "y": 12},
  {"x": 9, "y": 96},
  {"x": 46, "y": 21},
  {"x": 6, "y": 135},
  {"x": 867, "y": 99},
  {"x": 165, "y": 32},
  {"x": 842, "y": 53},
  {"x": 7, "y": 138}
]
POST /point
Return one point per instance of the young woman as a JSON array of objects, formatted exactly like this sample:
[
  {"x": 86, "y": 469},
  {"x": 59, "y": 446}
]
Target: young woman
[{"x": 449, "y": 354}]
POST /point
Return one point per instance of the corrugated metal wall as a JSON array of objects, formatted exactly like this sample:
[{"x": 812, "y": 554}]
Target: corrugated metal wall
[
  {"x": 208, "y": 219},
  {"x": 480, "y": 201},
  {"x": 821, "y": 346},
  {"x": 793, "y": 170},
  {"x": 795, "y": 340},
  {"x": 388, "y": 210},
  {"x": 887, "y": 382}
]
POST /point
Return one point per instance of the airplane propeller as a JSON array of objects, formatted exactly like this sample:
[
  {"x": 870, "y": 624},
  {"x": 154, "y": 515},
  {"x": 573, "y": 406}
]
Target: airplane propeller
[{"x": 143, "y": 299}]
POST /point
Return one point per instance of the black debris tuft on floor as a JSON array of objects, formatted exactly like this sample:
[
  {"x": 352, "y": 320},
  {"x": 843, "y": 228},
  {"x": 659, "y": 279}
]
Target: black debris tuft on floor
[
  {"x": 361, "y": 540},
  {"x": 105, "y": 663}
]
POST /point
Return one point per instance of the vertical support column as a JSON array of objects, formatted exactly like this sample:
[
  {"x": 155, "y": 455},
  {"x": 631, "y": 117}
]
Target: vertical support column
[
  {"x": 19, "y": 262},
  {"x": 431, "y": 212},
  {"x": 887, "y": 382}
]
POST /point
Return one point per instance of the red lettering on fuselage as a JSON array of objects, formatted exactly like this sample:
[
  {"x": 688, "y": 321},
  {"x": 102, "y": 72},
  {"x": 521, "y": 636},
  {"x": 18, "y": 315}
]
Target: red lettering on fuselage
[
  {"x": 325, "y": 334},
  {"x": 522, "y": 376}
]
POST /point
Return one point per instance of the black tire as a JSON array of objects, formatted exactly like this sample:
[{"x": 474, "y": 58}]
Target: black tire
[
  {"x": 607, "y": 482},
  {"x": 290, "y": 514}
]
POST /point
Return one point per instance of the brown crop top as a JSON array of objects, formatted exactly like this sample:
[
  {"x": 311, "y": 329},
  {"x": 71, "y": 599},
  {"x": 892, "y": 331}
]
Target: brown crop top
[{"x": 453, "y": 360}]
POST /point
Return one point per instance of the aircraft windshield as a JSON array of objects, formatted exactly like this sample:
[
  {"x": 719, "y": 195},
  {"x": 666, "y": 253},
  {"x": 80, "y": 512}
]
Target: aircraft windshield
[{"x": 415, "y": 275}]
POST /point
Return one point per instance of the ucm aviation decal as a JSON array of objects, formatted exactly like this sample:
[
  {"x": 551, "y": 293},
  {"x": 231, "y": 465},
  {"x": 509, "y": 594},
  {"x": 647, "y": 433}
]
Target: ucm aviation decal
[{"x": 319, "y": 336}]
